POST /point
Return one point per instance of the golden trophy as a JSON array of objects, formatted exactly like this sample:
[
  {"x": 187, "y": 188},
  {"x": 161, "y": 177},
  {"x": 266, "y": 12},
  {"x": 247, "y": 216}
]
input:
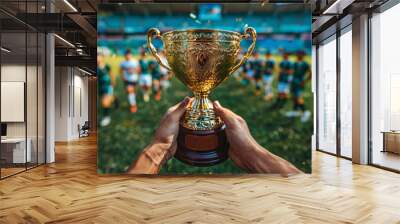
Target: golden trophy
[{"x": 201, "y": 59}]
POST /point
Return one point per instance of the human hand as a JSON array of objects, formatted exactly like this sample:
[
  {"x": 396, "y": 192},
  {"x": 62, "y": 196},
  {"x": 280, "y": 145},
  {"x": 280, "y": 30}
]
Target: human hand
[
  {"x": 164, "y": 144},
  {"x": 167, "y": 132},
  {"x": 241, "y": 142},
  {"x": 245, "y": 152}
]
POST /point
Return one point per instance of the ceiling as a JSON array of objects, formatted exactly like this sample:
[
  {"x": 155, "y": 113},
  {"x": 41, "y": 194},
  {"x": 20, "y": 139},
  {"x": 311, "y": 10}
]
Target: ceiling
[
  {"x": 339, "y": 14},
  {"x": 83, "y": 20},
  {"x": 167, "y": 9},
  {"x": 76, "y": 22}
]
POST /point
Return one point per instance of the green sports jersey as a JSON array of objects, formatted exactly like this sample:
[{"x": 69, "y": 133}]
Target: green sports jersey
[
  {"x": 246, "y": 66},
  {"x": 103, "y": 75},
  {"x": 285, "y": 66},
  {"x": 269, "y": 67},
  {"x": 256, "y": 65},
  {"x": 300, "y": 70},
  {"x": 144, "y": 66},
  {"x": 154, "y": 69},
  {"x": 104, "y": 79}
]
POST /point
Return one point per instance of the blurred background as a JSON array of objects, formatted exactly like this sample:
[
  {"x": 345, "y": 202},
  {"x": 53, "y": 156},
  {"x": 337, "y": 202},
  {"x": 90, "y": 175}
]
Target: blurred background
[{"x": 281, "y": 28}]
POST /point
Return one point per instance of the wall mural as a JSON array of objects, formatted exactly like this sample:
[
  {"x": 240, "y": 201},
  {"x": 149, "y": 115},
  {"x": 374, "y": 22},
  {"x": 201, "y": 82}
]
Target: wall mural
[{"x": 204, "y": 88}]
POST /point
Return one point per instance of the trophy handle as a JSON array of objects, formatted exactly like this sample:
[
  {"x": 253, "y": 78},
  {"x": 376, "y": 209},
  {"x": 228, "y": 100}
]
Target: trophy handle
[
  {"x": 150, "y": 33},
  {"x": 253, "y": 34}
]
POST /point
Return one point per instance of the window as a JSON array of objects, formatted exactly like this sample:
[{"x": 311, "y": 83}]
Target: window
[
  {"x": 327, "y": 96},
  {"x": 22, "y": 77},
  {"x": 346, "y": 92},
  {"x": 385, "y": 89}
]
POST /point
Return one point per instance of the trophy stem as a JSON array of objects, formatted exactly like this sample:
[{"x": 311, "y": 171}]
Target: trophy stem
[
  {"x": 201, "y": 102},
  {"x": 200, "y": 114}
]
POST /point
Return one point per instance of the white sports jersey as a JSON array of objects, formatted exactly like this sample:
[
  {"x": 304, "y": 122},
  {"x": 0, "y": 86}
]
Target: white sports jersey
[
  {"x": 163, "y": 70},
  {"x": 129, "y": 70}
]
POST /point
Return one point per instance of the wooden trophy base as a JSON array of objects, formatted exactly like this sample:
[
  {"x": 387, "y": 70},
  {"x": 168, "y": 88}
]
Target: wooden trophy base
[{"x": 202, "y": 148}]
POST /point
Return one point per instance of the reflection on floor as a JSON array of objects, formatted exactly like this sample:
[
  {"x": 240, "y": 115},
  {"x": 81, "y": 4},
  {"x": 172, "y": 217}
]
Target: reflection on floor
[
  {"x": 386, "y": 159},
  {"x": 70, "y": 191},
  {"x": 10, "y": 169}
]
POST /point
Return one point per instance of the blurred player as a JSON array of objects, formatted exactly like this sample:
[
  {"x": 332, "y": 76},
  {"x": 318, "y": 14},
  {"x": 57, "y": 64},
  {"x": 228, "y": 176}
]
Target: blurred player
[
  {"x": 145, "y": 76},
  {"x": 250, "y": 70},
  {"x": 238, "y": 74},
  {"x": 106, "y": 89},
  {"x": 268, "y": 77},
  {"x": 130, "y": 73},
  {"x": 165, "y": 74},
  {"x": 155, "y": 72},
  {"x": 285, "y": 72},
  {"x": 301, "y": 75},
  {"x": 257, "y": 69},
  {"x": 244, "y": 71}
]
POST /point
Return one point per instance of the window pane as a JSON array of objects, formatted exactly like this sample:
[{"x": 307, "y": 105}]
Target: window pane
[
  {"x": 31, "y": 97},
  {"x": 13, "y": 86},
  {"x": 385, "y": 89},
  {"x": 327, "y": 97},
  {"x": 346, "y": 94}
]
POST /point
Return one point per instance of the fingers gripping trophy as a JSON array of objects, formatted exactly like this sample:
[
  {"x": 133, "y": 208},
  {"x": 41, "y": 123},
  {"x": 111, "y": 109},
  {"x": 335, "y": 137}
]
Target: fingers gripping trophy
[{"x": 201, "y": 59}]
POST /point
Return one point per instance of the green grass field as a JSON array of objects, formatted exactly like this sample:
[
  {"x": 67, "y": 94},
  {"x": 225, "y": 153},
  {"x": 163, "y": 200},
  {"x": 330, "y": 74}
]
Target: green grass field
[{"x": 122, "y": 141}]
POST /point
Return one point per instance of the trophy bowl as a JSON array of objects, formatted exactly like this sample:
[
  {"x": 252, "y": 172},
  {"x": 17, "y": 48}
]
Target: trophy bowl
[{"x": 201, "y": 59}]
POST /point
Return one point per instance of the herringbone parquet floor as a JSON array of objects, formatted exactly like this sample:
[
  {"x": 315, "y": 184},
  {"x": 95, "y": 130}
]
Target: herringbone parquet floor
[{"x": 70, "y": 191}]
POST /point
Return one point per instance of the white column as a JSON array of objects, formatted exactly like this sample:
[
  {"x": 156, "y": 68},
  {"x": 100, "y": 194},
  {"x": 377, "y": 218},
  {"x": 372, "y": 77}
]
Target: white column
[
  {"x": 314, "y": 92},
  {"x": 360, "y": 90},
  {"x": 50, "y": 92}
]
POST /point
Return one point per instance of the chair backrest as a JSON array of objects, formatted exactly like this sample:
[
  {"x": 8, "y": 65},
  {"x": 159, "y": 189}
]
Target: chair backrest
[{"x": 86, "y": 125}]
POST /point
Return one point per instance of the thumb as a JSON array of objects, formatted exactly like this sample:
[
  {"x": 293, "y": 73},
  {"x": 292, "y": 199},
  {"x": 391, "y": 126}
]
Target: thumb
[
  {"x": 181, "y": 107},
  {"x": 226, "y": 115}
]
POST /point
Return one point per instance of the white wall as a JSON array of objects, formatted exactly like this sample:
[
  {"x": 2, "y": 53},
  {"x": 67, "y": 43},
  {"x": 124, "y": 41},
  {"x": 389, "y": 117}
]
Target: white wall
[
  {"x": 80, "y": 110},
  {"x": 61, "y": 103},
  {"x": 71, "y": 102},
  {"x": 12, "y": 73}
]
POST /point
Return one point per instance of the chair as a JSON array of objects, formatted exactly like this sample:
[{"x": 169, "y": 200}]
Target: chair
[{"x": 84, "y": 129}]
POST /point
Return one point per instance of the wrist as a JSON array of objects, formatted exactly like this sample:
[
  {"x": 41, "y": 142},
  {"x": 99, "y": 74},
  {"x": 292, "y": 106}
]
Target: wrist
[
  {"x": 245, "y": 154},
  {"x": 275, "y": 163},
  {"x": 252, "y": 156},
  {"x": 260, "y": 160},
  {"x": 158, "y": 152},
  {"x": 150, "y": 160}
]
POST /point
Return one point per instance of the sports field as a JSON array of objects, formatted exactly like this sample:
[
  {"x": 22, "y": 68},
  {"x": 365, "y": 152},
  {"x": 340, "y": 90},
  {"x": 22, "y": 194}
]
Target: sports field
[{"x": 121, "y": 142}]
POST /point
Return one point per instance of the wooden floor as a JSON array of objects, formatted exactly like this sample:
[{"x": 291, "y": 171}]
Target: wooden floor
[
  {"x": 70, "y": 191},
  {"x": 5, "y": 172}
]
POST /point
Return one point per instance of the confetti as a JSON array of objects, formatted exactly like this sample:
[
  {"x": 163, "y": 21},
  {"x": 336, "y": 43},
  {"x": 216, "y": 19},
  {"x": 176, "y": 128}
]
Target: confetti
[{"x": 192, "y": 15}]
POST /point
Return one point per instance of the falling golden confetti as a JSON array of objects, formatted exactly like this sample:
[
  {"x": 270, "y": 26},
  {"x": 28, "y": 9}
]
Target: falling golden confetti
[{"x": 264, "y": 2}]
